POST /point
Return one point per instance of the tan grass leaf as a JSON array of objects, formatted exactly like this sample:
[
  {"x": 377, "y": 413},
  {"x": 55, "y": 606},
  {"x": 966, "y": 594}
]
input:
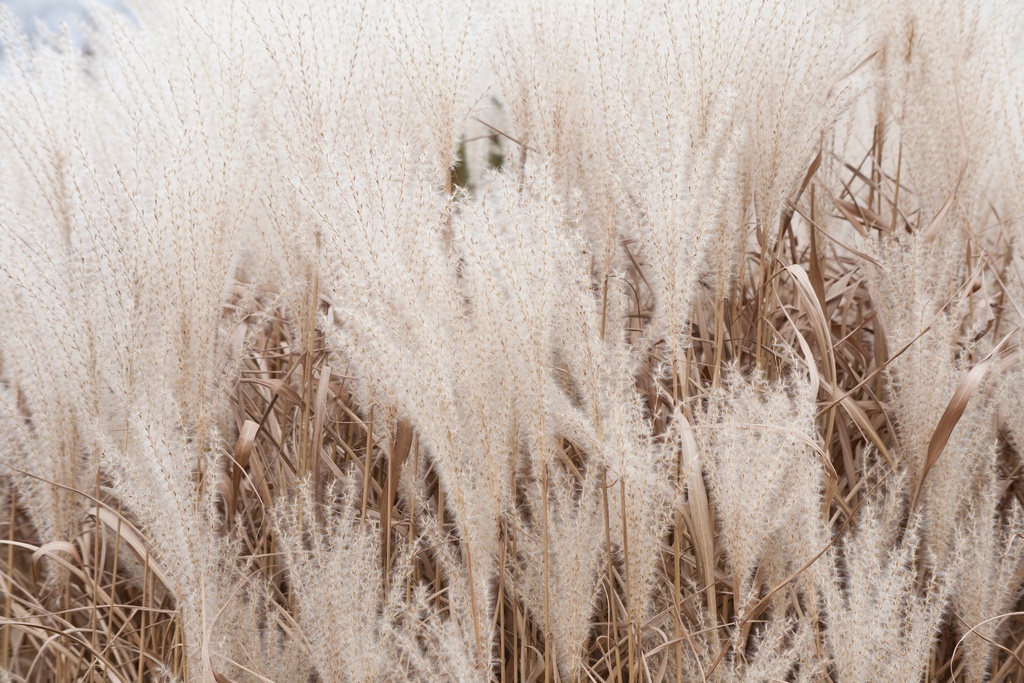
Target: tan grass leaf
[{"x": 954, "y": 411}]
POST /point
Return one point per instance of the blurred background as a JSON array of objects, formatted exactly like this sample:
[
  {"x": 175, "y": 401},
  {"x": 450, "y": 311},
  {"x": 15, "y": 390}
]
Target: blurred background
[{"x": 45, "y": 16}]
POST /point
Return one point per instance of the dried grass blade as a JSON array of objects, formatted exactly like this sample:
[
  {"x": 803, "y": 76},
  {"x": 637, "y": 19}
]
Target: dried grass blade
[
  {"x": 243, "y": 451},
  {"x": 278, "y": 387},
  {"x": 133, "y": 538},
  {"x": 400, "y": 449},
  {"x": 950, "y": 417},
  {"x": 702, "y": 525},
  {"x": 51, "y": 547},
  {"x": 860, "y": 418},
  {"x": 867, "y": 217},
  {"x": 320, "y": 412},
  {"x": 853, "y": 220},
  {"x": 819, "y": 322}
]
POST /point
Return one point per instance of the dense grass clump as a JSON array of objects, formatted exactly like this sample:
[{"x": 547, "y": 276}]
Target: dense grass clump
[{"x": 514, "y": 341}]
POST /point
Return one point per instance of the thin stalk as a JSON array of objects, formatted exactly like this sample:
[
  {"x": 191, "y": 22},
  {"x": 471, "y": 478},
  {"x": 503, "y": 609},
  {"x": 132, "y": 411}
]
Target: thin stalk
[
  {"x": 303, "y": 464},
  {"x": 613, "y": 631},
  {"x": 473, "y": 605},
  {"x": 631, "y": 646},
  {"x": 515, "y": 607},
  {"x": 366, "y": 470},
  {"x": 94, "y": 617},
  {"x": 5, "y": 631},
  {"x": 501, "y": 603},
  {"x": 547, "y": 570},
  {"x": 676, "y": 544},
  {"x": 117, "y": 549},
  {"x": 719, "y": 341},
  {"x": 412, "y": 515},
  {"x": 140, "y": 676},
  {"x": 440, "y": 525}
]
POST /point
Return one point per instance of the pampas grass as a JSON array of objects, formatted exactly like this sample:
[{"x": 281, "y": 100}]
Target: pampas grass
[{"x": 522, "y": 341}]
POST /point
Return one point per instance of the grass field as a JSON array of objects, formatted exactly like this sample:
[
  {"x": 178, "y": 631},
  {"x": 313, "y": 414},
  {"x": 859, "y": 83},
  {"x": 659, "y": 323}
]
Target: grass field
[{"x": 527, "y": 341}]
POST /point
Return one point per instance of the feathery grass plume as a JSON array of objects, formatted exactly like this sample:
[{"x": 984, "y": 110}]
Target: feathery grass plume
[
  {"x": 948, "y": 198},
  {"x": 134, "y": 219},
  {"x": 639, "y": 470},
  {"x": 557, "y": 317},
  {"x": 557, "y": 66},
  {"x": 1006, "y": 156},
  {"x": 317, "y": 103},
  {"x": 541, "y": 275},
  {"x": 149, "y": 162},
  {"x": 50, "y": 363},
  {"x": 610, "y": 421},
  {"x": 191, "y": 118},
  {"x": 543, "y": 84},
  {"x": 334, "y": 573},
  {"x": 758, "y": 438},
  {"x": 780, "y": 651},
  {"x": 991, "y": 559},
  {"x": 43, "y": 439},
  {"x": 435, "y": 346},
  {"x": 696, "y": 71},
  {"x": 438, "y": 45},
  {"x": 264, "y": 645},
  {"x": 235, "y": 228},
  {"x": 518, "y": 261},
  {"x": 787, "y": 70},
  {"x": 679, "y": 191},
  {"x": 527, "y": 273},
  {"x": 573, "y": 541},
  {"x": 153, "y": 474},
  {"x": 912, "y": 294},
  {"x": 1004, "y": 192},
  {"x": 1011, "y": 409},
  {"x": 879, "y": 626},
  {"x": 320, "y": 101},
  {"x": 796, "y": 543},
  {"x": 433, "y": 648},
  {"x": 941, "y": 90}
]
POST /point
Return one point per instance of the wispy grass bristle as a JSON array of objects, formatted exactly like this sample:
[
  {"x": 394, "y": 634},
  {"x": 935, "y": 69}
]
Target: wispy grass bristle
[{"x": 524, "y": 341}]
